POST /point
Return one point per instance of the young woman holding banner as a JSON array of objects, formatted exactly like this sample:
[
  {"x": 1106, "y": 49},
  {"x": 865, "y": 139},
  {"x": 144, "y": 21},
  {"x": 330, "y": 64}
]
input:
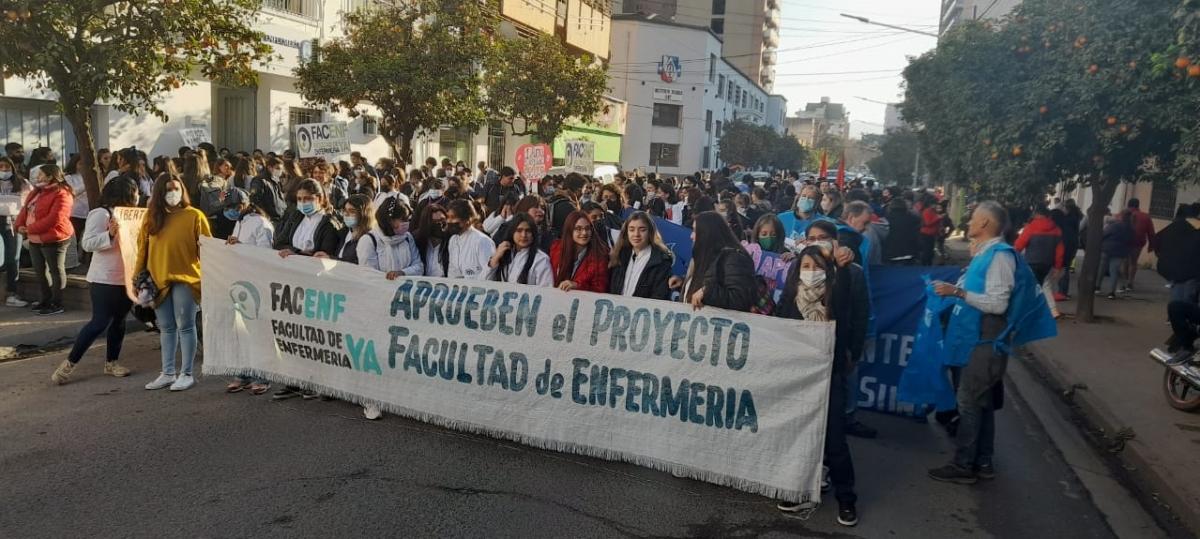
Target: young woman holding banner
[
  {"x": 310, "y": 228},
  {"x": 431, "y": 240},
  {"x": 106, "y": 282},
  {"x": 389, "y": 247},
  {"x": 818, "y": 289},
  {"x": 359, "y": 216},
  {"x": 169, "y": 249},
  {"x": 640, "y": 263},
  {"x": 517, "y": 259},
  {"x": 580, "y": 259},
  {"x": 722, "y": 273},
  {"x": 470, "y": 249}
]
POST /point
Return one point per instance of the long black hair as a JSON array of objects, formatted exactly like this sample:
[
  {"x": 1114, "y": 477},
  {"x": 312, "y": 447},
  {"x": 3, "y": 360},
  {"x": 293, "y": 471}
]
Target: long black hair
[
  {"x": 792, "y": 285},
  {"x": 506, "y": 260},
  {"x": 119, "y": 192},
  {"x": 391, "y": 208},
  {"x": 710, "y": 226},
  {"x": 18, "y": 181}
]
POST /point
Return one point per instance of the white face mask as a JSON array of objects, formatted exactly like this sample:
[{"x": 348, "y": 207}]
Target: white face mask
[
  {"x": 812, "y": 277},
  {"x": 276, "y": 173},
  {"x": 5, "y": 175},
  {"x": 174, "y": 198}
]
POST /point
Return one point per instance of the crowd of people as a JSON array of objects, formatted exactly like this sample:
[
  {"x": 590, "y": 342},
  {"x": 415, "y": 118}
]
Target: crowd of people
[{"x": 572, "y": 232}]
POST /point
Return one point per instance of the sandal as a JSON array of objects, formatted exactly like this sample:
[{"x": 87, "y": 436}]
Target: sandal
[
  {"x": 259, "y": 389},
  {"x": 235, "y": 386}
]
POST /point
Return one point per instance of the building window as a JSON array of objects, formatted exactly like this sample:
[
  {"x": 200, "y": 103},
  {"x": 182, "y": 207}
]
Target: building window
[
  {"x": 303, "y": 8},
  {"x": 350, "y": 6},
  {"x": 707, "y": 121},
  {"x": 455, "y": 143},
  {"x": 667, "y": 115},
  {"x": 1162, "y": 200},
  {"x": 718, "y": 7},
  {"x": 707, "y": 159},
  {"x": 664, "y": 155},
  {"x": 370, "y": 125},
  {"x": 712, "y": 67},
  {"x": 718, "y": 26},
  {"x": 717, "y": 129},
  {"x": 720, "y": 85},
  {"x": 495, "y": 145},
  {"x": 300, "y": 116}
]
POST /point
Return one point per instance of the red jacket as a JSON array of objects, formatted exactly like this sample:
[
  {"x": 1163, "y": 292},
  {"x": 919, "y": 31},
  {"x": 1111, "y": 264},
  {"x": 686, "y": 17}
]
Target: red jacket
[
  {"x": 1143, "y": 230},
  {"x": 1041, "y": 241},
  {"x": 47, "y": 215},
  {"x": 592, "y": 274},
  {"x": 931, "y": 222}
]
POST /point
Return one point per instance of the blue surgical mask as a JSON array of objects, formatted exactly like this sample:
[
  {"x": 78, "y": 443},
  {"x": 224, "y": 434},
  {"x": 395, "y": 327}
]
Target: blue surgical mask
[
  {"x": 550, "y": 190},
  {"x": 351, "y": 221},
  {"x": 805, "y": 204},
  {"x": 307, "y": 208},
  {"x": 233, "y": 214}
]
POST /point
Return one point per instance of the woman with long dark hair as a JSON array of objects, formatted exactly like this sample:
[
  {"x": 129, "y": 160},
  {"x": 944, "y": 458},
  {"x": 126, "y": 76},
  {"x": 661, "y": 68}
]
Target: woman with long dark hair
[
  {"x": 45, "y": 220},
  {"x": 640, "y": 263},
  {"x": 389, "y": 247},
  {"x": 243, "y": 173},
  {"x": 310, "y": 228},
  {"x": 11, "y": 183},
  {"x": 722, "y": 273},
  {"x": 106, "y": 283},
  {"x": 518, "y": 259},
  {"x": 431, "y": 240},
  {"x": 580, "y": 258},
  {"x": 358, "y": 214},
  {"x": 170, "y": 253},
  {"x": 818, "y": 290}
]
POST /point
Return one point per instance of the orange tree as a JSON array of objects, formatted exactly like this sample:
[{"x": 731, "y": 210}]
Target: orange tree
[
  {"x": 1069, "y": 92},
  {"x": 126, "y": 54}
]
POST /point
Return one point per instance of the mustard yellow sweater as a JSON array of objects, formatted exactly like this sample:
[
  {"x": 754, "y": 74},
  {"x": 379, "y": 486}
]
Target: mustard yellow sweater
[{"x": 173, "y": 255}]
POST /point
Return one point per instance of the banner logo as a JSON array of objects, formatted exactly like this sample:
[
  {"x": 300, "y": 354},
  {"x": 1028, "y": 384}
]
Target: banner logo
[
  {"x": 669, "y": 68},
  {"x": 245, "y": 298}
]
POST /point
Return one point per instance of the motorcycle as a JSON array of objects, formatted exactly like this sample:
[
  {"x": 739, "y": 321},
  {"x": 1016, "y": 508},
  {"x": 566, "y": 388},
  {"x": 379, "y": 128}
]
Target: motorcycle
[{"x": 1181, "y": 382}]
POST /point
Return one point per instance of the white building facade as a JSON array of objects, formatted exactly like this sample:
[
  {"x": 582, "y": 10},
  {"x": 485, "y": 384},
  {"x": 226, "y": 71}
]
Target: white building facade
[{"x": 680, "y": 94}]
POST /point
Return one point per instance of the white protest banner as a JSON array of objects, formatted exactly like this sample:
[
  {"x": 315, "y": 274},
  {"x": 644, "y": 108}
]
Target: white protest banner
[
  {"x": 193, "y": 136},
  {"x": 10, "y": 205},
  {"x": 327, "y": 139},
  {"x": 129, "y": 225},
  {"x": 579, "y": 156},
  {"x": 731, "y": 398}
]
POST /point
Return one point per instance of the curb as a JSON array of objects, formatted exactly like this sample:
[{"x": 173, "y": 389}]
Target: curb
[{"x": 1157, "y": 494}]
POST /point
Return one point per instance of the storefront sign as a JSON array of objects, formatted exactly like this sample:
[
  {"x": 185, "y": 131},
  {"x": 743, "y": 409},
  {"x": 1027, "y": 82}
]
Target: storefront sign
[
  {"x": 668, "y": 94},
  {"x": 580, "y": 156},
  {"x": 534, "y": 161},
  {"x": 326, "y": 139}
]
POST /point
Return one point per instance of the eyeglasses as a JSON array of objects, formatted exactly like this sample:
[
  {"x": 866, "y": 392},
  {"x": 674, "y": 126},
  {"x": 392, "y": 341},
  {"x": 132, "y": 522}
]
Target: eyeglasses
[{"x": 583, "y": 229}]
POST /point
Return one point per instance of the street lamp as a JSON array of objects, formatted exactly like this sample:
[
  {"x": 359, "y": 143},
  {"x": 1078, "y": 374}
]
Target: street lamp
[{"x": 865, "y": 20}]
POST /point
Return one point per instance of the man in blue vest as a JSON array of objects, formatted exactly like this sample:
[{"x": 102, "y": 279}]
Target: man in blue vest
[{"x": 978, "y": 320}]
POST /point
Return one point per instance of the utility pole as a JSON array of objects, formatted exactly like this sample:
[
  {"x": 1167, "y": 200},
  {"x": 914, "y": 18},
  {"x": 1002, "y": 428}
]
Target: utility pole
[{"x": 865, "y": 20}]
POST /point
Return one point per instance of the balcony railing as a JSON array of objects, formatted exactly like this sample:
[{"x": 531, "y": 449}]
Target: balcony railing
[{"x": 309, "y": 9}]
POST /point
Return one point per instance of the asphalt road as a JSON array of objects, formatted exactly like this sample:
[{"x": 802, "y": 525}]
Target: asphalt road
[{"x": 102, "y": 457}]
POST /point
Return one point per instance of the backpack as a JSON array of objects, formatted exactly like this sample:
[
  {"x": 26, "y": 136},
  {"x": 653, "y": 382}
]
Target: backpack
[{"x": 210, "y": 199}]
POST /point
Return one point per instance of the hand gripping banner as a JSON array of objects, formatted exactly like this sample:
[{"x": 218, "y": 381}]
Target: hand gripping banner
[{"x": 731, "y": 398}]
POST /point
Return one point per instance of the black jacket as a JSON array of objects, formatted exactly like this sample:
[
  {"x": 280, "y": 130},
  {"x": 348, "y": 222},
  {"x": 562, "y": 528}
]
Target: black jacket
[
  {"x": 495, "y": 192},
  {"x": 1179, "y": 252},
  {"x": 267, "y": 194},
  {"x": 904, "y": 229},
  {"x": 327, "y": 238},
  {"x": 557, "y": 210},
  {"x": 851, "y": 312},
  {"x": 652, "y": 283},
  {"x": 730, "y": 283}
]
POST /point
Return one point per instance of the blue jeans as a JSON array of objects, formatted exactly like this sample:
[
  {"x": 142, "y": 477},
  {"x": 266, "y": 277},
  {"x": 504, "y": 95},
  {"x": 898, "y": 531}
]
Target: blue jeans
[
  {"x": 12, "y": 255},
  {"x": 177, "y": 324},
  {"x": 1115, "y": 265},
  {"x": 110, "y": 306},
  {"x": 1185, "y": 291}
]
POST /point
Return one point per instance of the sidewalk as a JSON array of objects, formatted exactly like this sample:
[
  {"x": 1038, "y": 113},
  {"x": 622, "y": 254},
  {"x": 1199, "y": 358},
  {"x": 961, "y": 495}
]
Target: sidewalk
[
  {"x": 1119, "y": 389},
  {"x": 22, "y": 332}
]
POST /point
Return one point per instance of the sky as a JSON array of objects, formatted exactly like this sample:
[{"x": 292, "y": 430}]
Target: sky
[{"x": 823, "y": 54}]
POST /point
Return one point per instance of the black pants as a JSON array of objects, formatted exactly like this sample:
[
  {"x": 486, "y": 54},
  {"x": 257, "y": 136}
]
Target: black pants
[
  {"x": 110, "y": 305},
  {"x": 925, "y": 255},
  {"x": 1040, "y": 271},
  {"x": 50, "y": 266},
  {"x": 1064, "y": 282},
  {"x": 1184, "y": 317},
  {"x": 837, "y": 451}
]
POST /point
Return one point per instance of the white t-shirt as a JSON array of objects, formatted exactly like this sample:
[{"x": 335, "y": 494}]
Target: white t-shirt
[
  {"x": 637, "y": 265},
  {"x": 255, "y": 230}
]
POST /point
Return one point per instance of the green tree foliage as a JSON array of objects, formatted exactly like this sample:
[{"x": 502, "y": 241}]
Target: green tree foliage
[
  {"x": 127, "y": 54},
  {"x": 419, "y": 62},
  {"x": 539, "y": 84},
  {"x": 897, "y": 157},
  {"x": 1060, "y": 92},
  {"x": 751, "y": 145}
]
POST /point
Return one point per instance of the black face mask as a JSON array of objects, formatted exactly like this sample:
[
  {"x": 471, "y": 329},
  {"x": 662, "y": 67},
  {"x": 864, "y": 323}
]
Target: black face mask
[
  {"x": 613, "y": 206},
  {"x": 453, "y": 229}
]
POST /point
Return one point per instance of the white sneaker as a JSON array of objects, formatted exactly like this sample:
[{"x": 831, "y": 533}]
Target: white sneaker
[
  {"x": 14, "y": 301},
  {"x": 184, "y": 382},
  {"x": 162, "y": 381},
  {"x": 371, "y": 412}
]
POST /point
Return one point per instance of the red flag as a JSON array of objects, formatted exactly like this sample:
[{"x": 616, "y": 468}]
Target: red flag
[
  {"x": 841, "y": 177},
  {"x": 824, "y": 166}
]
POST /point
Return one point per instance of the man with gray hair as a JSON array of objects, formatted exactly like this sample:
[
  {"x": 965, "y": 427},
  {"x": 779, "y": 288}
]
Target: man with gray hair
[{"x": 977, "y": 320}]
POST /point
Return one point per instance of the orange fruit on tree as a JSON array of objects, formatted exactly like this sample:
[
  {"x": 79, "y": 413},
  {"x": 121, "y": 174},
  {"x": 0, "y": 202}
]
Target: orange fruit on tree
[
  {"x": 1194, "y": 71},
  {"x": 1044, "y": 109},
  {"x": 1093, "y": 69},
  {"x": 1112, "y": 120},
  {"x": 1016, "y": 151},
  {"x": 1182, "y": 62},
  {"x": 1124, "y": 129}
]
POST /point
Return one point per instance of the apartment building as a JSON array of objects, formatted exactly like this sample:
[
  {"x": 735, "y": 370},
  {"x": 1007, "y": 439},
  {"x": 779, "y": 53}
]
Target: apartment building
[{"x": 955, "y": 11}]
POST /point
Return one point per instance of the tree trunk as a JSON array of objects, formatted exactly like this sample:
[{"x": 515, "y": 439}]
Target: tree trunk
[
  {"x": 1102, "y": 193},
  {"x": 80, "y": 117}
]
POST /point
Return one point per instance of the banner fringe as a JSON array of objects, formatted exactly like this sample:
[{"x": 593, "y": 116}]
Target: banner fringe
[{"x": 753, "y": 487}]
